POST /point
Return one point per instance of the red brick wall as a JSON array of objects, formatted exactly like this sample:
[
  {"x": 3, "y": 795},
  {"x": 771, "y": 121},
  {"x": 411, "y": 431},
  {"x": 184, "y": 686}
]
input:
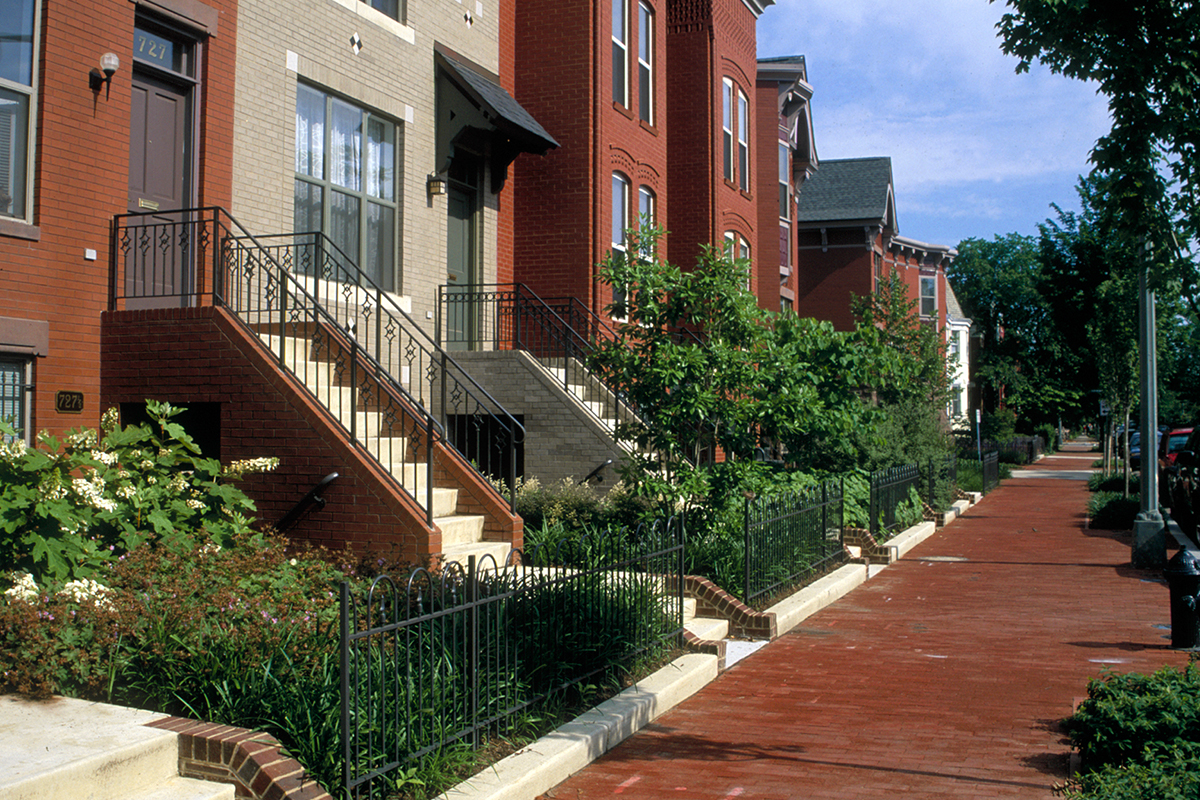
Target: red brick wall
[
  {"x": 81, "y": 181},
  {"x": 202, "y": 355},
  {"x": 562, "y": 206},
  {"x": 826, "y": 281},
  {"x": 766, "y": 142}
]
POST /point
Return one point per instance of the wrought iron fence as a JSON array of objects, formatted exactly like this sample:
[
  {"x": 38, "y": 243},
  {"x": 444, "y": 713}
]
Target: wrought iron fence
[
  {"x": 889, "y": 488},
  {"x": 381, "y": 377},
  {"x": 791, "y": 537},
  {"x": 455, "y": 656},
  {"x": 941, "y": 480},
  {"x": 990, "y": 468}
]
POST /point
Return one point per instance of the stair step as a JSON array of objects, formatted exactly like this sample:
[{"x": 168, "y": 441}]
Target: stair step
[
  {"x": 461, "y": 552},
  {"x": 689, "y": 609},
  {"x": 67, "y": 749},
  {"x": 177, "y": 788},
  {"x": 460, "y": 529},
  {"x": 708, "y": 629}
]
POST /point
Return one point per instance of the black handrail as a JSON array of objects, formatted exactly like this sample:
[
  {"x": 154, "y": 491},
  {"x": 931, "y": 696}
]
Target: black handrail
[
  {"x": 380, "y": 376},
  {"x": 312, "y": 498}
]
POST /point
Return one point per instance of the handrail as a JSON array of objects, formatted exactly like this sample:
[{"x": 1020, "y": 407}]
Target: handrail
[
  {"x": 379, "y": 374},
  {"x": 559, "y": 332},
  {"x": 312, "y": 497}
]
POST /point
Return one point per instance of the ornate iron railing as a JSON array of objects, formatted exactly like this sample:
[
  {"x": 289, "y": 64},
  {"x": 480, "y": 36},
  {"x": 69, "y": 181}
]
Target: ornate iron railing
[
  {"x": 941, "y": 476},
  {"x": 561, "y": 333},
  {"x": 790, "y": 538},
  {"x": 455, "y": 656},
  {"x": 384, "y": 380}
]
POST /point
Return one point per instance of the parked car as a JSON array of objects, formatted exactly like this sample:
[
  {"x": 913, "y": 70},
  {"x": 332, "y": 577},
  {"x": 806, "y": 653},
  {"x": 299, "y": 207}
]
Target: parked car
[
  {"x": 1168, "y": 448},
  {"x": 1183, "y": 480},
  {"x": 1135, "y": 448}
]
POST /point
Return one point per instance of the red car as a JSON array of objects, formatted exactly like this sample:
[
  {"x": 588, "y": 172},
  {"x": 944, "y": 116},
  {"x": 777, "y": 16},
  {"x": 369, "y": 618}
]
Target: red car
[{"x": 1170, "y": 445}]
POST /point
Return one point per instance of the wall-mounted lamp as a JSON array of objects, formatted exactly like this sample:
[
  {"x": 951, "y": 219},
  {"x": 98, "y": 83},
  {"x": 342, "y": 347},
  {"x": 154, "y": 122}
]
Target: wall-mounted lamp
[
  {"x": 109, "y": 64},
  {"x": 436, "y": 184}
]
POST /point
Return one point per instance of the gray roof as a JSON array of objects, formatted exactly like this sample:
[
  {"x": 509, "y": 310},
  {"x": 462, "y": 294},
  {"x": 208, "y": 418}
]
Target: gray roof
[
  {"x": 953, "y": 309},
  {"x": 848, "y": 189},
  {"x": 505, "y": 112}
]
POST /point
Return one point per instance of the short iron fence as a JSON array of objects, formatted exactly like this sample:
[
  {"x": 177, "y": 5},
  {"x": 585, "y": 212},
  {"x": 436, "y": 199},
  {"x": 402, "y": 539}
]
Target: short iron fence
[
  {"x": 990, "y": 468},
  {"x": 452, "y": 657},
  {"x": 1019, "y": 449},
  {"x": 790, "y": 538},
  {"x": 941, "y": 480},
  {"x": 890, "y": 488}
]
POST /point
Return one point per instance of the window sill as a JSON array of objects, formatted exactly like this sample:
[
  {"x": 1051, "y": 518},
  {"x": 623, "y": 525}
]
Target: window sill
[
  {"x": 20, "y": 230},
  {"x": 363, "y": 10},
  {"x": 622, "y": 110},
  {"x": 649, "y": 127}
]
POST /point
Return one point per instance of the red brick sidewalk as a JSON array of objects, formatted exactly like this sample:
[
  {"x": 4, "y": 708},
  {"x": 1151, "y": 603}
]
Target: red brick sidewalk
[{"x": 945, "y": 676}]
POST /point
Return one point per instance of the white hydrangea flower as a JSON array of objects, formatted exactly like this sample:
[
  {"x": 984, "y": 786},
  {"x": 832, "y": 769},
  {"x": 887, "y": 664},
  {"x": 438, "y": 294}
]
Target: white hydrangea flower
[
  {"x": 252, "y": 465},
  {"x": 92, "y": 490},
  {"x": 107, "y": 459},
  {"x": 146, "y": 464},
  {"x": 195, "y": 504},
  {"x": 24, "y": 588},
  {"x": 12, "y": 450},
  {"x": 127, "y": 492},
  {"x": 110, "y": 419},
  {"x": 86, "y": 589}
]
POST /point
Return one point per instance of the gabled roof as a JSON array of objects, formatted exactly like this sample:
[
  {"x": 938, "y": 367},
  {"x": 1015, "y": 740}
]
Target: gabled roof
[
  {"x": 795, "y": 96},
  {"x": 953, "y": 309},
  {"x": 849, "y": 190}
]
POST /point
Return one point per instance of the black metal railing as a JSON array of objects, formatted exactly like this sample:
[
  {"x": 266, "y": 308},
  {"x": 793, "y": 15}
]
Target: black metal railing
[
  {"x": 941, "y": 479},
  {"x": 456, "y": 656},
  {"x": 790, "y": 538},
  {"x": 990, "y": 467},
  {"x": 561, "y": 333},
  {"x": 889, "y": 488},
  {"x": 382, "y": 378}
]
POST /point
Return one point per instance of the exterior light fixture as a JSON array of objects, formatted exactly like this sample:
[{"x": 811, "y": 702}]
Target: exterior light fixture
[
  {"x": 109, "y": 64},
  {"x": 436, "y": 184}
]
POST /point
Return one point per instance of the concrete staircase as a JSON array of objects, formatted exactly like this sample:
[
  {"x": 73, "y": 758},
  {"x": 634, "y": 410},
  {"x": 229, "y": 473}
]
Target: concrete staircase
[
  {"x": 710, "y": 629},
  {"x": 462, "y": 534},
  {"x": 74, "y": 750}
]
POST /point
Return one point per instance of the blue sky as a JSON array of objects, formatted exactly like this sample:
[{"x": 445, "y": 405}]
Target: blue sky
[{"x": 976, "y": 149}]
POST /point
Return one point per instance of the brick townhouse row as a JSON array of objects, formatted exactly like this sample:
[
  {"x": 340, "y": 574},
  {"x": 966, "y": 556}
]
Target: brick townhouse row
[{"x": 271, "y": 211}]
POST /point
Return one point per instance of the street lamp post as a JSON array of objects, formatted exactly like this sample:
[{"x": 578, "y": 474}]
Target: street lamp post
[{"x": 1149, "y": 549}]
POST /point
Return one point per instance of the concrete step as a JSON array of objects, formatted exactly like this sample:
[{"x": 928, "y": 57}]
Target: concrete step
[
  {"x": 461, "y": 552},
  {"x": 689, "y": 609},
  {"x": 460, "y": 529},
  {"x": 66, "y": 749},
  {"x": 708, "y": 628}
]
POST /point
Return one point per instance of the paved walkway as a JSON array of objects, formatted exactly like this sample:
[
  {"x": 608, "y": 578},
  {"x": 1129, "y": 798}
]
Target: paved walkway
[{"x": 943, "y": 677}]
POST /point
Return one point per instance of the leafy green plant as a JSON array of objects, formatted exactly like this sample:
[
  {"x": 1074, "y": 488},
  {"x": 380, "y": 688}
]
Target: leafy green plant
[
  {"x": 1165, "y": 773},
  {"x": 69, "y": 507},
  {"x": 1112, "y": 510}
]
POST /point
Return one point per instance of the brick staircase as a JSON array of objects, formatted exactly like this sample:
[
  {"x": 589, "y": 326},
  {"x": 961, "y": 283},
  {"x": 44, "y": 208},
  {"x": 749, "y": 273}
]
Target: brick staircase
[{"x": 382, "y": 433}]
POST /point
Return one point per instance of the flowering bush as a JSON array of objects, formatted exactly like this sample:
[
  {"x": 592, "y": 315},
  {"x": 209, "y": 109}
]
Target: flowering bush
[{"x": 68, "y": 507}]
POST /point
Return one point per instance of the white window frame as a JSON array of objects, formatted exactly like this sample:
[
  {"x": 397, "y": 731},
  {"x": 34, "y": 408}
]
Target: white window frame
[
  {"x": 647, "y": 210},
  {"x": 727, "y": 128},
  {"x": 743, "y": 139},
  {"x": 646, "y": 63},
  {"x": 23, "y": 164},
  {"x": 16, "y": 392},
  {"x": 620, "y": 52},
  {"x": 785, "y": 181},
  {"x": 620, "y": 224},
  {"x": 929, "y": 297}
]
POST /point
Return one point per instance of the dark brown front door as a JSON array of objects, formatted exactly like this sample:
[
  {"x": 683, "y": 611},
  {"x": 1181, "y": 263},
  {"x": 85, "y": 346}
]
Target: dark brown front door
[{"x": 160, "y": 170}]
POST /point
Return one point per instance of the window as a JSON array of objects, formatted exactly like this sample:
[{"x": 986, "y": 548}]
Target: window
[
  {"x": 391, "y": 8},
  {"x": 15, "y": 394},
  {"x": 18, "y": 102},
  {"x": 928, "y": 296},
  {"x": 743, "y": 133},
  {"x": 727, "y": 128},
  {"x": 620, "y": 223},
  {"x": 956, "y": 401},
  {"x": 785, "y": 181},
  {"x": 645, "y": 218},
  {"x": 645, "y": 63},
  {"x": 346, "y": 180},
  {"x": 955, "y": 356},
  {"x": 620, "y": 52},
  {"x": 737, "y": 247}
]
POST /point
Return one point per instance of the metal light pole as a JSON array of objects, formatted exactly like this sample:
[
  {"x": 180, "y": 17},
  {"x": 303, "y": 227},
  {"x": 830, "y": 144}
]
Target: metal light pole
[{"x": 1149, "y": 533}]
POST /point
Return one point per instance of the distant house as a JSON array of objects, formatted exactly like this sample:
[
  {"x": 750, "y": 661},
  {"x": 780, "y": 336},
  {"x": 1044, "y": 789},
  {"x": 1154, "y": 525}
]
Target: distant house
[{"x": 958, "y": 349}]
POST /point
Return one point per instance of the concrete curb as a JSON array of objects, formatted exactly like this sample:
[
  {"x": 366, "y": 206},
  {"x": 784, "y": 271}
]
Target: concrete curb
[{"x": 560, "y": 754}]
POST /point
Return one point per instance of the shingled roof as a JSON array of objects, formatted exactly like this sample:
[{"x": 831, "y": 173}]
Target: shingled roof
[{"x": 848, "y": 190}]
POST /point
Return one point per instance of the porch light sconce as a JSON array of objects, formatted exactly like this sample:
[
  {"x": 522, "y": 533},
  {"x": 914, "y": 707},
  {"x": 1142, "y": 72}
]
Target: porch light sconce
[
  {"x": 109, "y": 64},
  {"x": 436, "y": 184}
]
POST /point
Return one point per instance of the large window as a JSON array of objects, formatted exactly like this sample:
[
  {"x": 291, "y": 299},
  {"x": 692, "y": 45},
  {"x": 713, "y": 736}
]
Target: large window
[
  {"x": 785, "y": 181},
  {"x": 346, "y": 167},
  {"x": 928, "y": 296},
  {"x": 18, "y": 101},
  {"x": 645, "y": 63},
  {"x": 392, "y": 8},
  {"x": 620, "y": 223},
  {"x": 735, "y": 132},
  {"x": 620, "y": 51}
]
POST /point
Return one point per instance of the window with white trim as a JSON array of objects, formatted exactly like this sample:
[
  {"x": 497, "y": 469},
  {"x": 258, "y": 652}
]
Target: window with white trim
[
  {"x": 620, "y": 223},
  {"x": 16, "y": 395},
  {"x": 785, "y": 181},
  {"x": 646, "y": 218},
  {"x": 392, "y": 8},
  {"x": 928, "y": 296},
  {"x": 18, "y": 106},
  {"x": 620, "y": 52},
  {"x": 738, "y": 248},
  {"x": 645, "y": 63},
  {"x": 727, "y": 128},
  {"x": 743, "y": 134},
  {"x": 346, "y": 167}
]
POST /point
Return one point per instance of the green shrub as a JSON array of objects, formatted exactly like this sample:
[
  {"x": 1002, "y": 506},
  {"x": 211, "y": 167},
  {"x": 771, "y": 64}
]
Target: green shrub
[
  {"x": 68, "y": 508},
  {"x": 1049, "y": 434},
  {"x": 1113, "y": 511},
  {"x": 1000, "y": 426},
  {"x": 1099, "y": 482},
  {"x": 1018, "y": 457},
  {"x": 1161, "y": 773}
]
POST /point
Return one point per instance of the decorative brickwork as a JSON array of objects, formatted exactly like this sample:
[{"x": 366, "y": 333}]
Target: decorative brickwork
[
  {"x": 713, "y": 601},
  {"x": 872, "y": 551},
  {"x": 251, "y": 760}
]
